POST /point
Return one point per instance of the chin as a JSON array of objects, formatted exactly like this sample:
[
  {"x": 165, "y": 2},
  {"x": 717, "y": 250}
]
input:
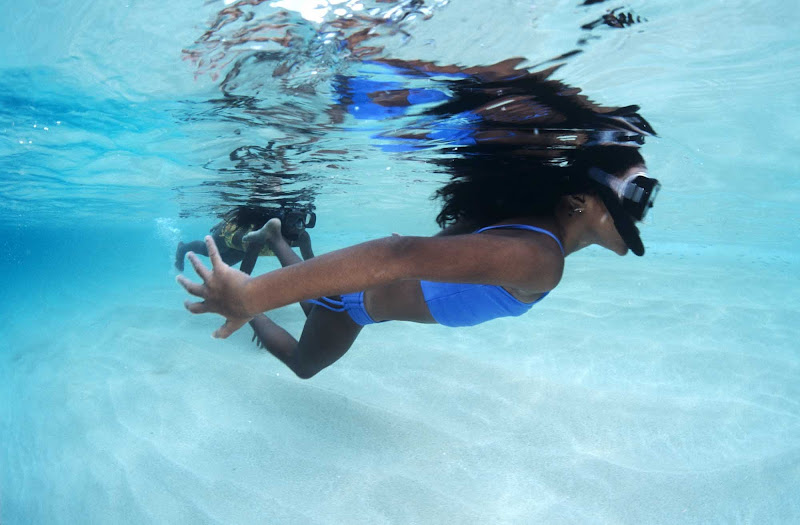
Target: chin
[{"x": 622, "y": 251}]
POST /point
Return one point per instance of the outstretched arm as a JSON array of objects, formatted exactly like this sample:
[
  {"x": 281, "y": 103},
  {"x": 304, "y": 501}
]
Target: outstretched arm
[{"x": 525, "y": 261}]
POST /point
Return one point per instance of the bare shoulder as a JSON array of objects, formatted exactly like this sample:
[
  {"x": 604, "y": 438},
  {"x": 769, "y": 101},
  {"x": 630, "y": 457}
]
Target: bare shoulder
[
  {"x": 538, "y": 253},
  {"x": 520, "y": 259}
]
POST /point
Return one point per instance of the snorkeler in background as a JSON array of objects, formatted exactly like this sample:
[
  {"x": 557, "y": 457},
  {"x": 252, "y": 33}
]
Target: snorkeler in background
[
  {"x": 538, "y": 172},
  {"x": 237, "y": 242}
]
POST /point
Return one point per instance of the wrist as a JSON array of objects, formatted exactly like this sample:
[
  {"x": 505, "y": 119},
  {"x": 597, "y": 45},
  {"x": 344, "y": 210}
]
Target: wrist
[{"x": 247, "y": 299}]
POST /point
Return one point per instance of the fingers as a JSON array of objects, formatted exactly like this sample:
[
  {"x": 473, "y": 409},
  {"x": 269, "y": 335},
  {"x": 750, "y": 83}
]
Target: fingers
[
  {"x": 191, "y": 287},
  {"x": 213, "y": 252},
  {"x": 228, "y": 328},
  {"x": 199, "y": 267},
  {"x": 223, "y": 331},
  {"x": 199, "y": 307},
  {"x": 199, "y": 290}
]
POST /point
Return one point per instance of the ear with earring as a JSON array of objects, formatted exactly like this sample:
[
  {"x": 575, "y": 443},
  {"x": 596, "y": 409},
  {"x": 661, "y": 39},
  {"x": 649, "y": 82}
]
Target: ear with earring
[{"x": 577, "y": 203}]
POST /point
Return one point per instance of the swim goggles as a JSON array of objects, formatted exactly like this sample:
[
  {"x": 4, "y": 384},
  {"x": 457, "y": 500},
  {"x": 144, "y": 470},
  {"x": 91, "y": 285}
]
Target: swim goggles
[
  {"x": 299, "y": 218},
  {"x": 637, "y": 192},
  {"x": 627, "y": 200},
  {"x": 295, "y": 220}
]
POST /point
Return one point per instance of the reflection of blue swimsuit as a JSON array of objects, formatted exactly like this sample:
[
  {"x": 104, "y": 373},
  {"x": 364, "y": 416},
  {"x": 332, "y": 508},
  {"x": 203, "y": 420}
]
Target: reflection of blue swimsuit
[
  {"x": 413, "y": 90},
  {"x": 452, "y": 304}
]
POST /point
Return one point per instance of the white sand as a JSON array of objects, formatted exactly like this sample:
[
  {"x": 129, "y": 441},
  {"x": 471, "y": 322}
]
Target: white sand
[{"x": 618, "y": 400}]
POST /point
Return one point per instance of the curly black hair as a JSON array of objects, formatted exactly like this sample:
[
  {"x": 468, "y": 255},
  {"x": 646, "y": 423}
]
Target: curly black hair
[
  {"x": 485, "y": 190},
  {"x": 531, "y": 141}
]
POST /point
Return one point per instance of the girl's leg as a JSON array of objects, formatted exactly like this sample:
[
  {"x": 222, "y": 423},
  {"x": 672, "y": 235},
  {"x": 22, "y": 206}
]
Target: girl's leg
[
  {"x": 186, "y": 247},
  {"x": 228, "y": 255},
  {"x": 250, "y": 258},
  {"x": 270, "y": 233},
  {"x": 304, "y": 243},
  {"x": 326, "y": 337}
]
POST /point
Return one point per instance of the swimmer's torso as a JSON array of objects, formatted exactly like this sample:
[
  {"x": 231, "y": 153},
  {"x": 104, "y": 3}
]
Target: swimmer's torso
[{"x": 452, "y": 304}]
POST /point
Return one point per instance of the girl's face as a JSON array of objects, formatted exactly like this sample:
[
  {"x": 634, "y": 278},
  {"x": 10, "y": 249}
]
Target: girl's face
[{"x": 606, "y": 234}]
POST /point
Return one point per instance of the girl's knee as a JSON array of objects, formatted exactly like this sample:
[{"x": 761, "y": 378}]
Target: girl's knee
[
  {"x": 306, "y": 365},
  {"x": 305, "y": 370}
]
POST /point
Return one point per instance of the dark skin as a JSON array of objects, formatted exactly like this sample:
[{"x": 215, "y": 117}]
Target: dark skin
[
  {"x": 527, "y": 264},
  {"x": 232, "y": 256}
]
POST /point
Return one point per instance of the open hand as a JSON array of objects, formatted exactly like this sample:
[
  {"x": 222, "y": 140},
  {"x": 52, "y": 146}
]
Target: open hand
[{"x": 222, "y": 291}]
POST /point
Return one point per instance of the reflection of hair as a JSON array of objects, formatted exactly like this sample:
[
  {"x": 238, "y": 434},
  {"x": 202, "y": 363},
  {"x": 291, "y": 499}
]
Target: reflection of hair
[{"x": 533, "y": 141}]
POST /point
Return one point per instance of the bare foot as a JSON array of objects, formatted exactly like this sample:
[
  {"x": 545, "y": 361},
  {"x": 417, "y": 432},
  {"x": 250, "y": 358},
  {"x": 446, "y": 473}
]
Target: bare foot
[{"x": 269, "y": 232}]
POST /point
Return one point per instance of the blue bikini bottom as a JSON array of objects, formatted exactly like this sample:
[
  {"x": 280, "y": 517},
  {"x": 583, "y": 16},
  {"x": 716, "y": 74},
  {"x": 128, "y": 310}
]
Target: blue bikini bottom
[{"x": 352, "y": 303}]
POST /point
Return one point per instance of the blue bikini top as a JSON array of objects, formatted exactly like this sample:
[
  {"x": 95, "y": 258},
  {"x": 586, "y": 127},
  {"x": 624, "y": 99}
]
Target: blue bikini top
[{"x": 459, "y": 304}]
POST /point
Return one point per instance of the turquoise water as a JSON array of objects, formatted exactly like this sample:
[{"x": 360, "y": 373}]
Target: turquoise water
[{"x": 660, "y": 389}]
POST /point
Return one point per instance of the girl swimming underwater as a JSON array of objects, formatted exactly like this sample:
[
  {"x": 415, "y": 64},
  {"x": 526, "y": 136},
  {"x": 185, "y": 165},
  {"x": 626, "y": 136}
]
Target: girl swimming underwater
[{"x": 521, "y": 199}]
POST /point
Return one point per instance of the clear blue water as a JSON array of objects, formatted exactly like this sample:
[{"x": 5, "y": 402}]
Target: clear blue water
[{"x": 655, "y": 390}]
